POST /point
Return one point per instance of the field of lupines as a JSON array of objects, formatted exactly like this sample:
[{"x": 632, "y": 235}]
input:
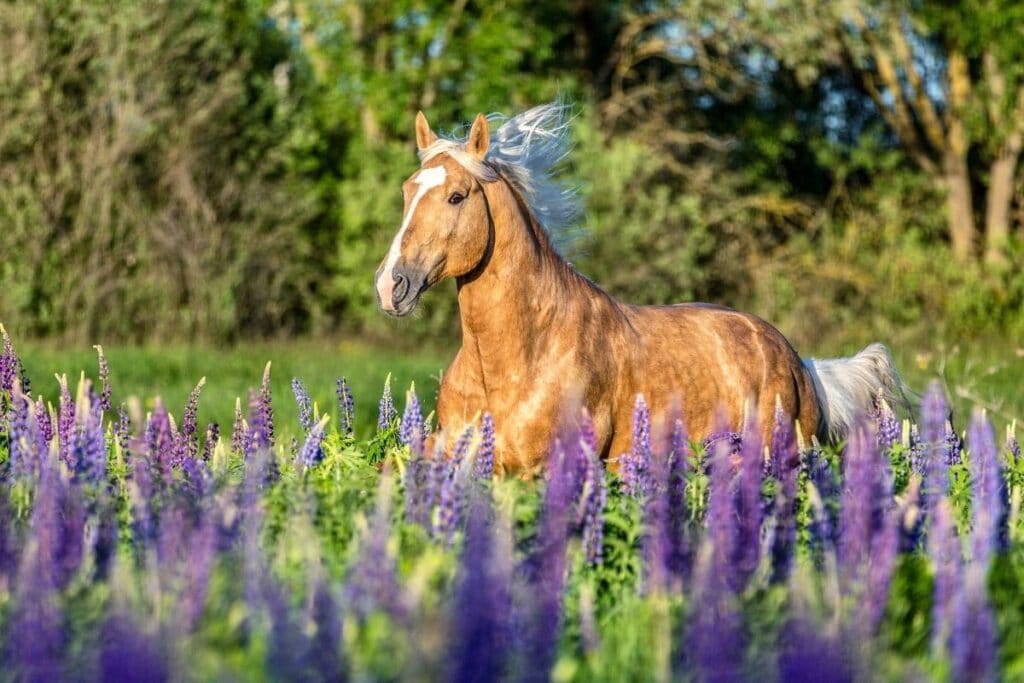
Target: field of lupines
[{"x": 148, "y": 547}]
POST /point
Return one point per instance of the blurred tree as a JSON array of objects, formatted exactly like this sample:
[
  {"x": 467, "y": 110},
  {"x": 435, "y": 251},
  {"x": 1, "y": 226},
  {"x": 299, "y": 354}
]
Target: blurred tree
[{"x": 144, "y": 170}]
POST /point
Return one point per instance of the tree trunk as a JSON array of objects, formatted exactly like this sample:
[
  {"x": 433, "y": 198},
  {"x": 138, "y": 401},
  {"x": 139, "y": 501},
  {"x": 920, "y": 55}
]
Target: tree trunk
[
  {"x": 1000, "y": 200},
  {"x": 959, "y": 204}
]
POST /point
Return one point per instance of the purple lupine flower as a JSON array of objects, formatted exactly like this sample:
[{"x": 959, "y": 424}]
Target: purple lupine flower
[
  {"x": 593, "y": 500},
  {"x": 946, "y": 557},
  {"x": 678, "y": 522},
  {"x": 884, "y": 551},
  {"x": 422, "y": 481},
  {"x": 128, "y": 653},
  {"x": 785, "y": 463},
  {"x": 588, "y": 434},
  {"x": 104, "y": 379},
  {"x": 20, "y": 439},
  {"x": 411, "y": 432},
  {"x": 715, "y": 638},
  {"x": 210, "y": 441},
  {"x": 159, "y": 443},
  {"x": 918, "y": 451},
  {"x": 635, "y": 466},
  {"x": 784, "y": 456},
  {"x": 451, "y": 496},
  {"x": 988, "y": 495},
  {"x": 312, "y": 450},
  {"x": 974, "y": 639},
  {"x": 721, "y": 516},
  {"x": 954, "y": 446},
  {"x": 820, "y": 474},
  {"x": 656, "y": 545},
  {"x": 202, "y": 549},
  {"x": 90, "y": 444},
  {"x": 189, "y": 423},
  {"x": 266, "y": 409},
  {"x": 372, "y": 582},
  {"x": 44, "y": 421},
  {"x": 36, "y": 641},
  {"x": 8, "y": 363},
  {"x": 860, "y": 501},
  {"x": 808, "y": 654},
  {"x": 346, "y": 407},
  {"x": 1013, "y": 446},
  {"x": 304, "y": 403},
  {"x": 935, "y": 470},
  {"x": 749, "y": 506},
  {"x": 889, "y": 427},
  {"x": 238, "y": 435},
  {"x": 481, "y": 630},
  {"x": 387, "y": 413},
  {"x": 545, "y": 571},
  {"x": 257, "y": 432},
  {"x": 484, "y": 465},
  {"x": 65, "y": 421},
  {"x": 123, "y": 429},
  {"x": 325, "y": 654}
]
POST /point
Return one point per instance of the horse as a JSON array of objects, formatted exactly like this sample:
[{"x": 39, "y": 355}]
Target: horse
[{"x": 538, "y": 336}]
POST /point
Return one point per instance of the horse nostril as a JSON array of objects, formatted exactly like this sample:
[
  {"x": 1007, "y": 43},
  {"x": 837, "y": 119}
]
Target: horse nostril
[{"x": 400, "y": 289}]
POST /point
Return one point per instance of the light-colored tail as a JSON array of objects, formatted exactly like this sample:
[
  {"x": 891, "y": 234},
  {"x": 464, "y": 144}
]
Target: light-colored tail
[{"x": 847, "y": 388}]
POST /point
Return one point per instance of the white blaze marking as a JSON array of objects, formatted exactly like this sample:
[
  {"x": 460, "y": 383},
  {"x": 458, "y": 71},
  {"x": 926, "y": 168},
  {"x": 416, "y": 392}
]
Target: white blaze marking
[{"x": 426, "y": 179}]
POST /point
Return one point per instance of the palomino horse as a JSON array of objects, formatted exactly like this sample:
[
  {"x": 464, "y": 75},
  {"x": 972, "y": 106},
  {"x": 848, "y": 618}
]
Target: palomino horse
[{"x": 536, "y": 334}]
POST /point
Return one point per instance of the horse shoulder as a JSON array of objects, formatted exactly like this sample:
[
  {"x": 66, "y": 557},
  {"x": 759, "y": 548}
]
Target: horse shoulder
[{"x": 461, "y": 395}]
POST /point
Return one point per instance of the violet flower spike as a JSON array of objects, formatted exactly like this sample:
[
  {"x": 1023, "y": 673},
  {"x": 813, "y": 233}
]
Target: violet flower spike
[
  {"x": 65, "y": 421},
  {"x": 304, "y": 403},
  {"x": 946, "y": 558},
  {"x": 934, "y": 426},
  {"x": 594, "y": 499},
  {"x": 312, "y": 450},
  {"x": 988, "y": 495},
  {"x": 387, "y": 412},
  {"x": 266, "y": 408},
  {"x": 484, "y": 465},
  {"x": 8, "y": 362},
  {"x": 346, "y": 406},
  {"x": 410, "y": 431},
  {"x": 189, "y": 418},
  {"x": 210, "y": 441},
  {"x": 104, "y": 372},
  {"x": 238, "y": 435},
  {"x": 635, "y": 465},
  {"x": 749, "y": 507}
]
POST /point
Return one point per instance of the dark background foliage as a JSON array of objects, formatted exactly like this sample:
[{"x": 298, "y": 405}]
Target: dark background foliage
[{"x": 230, "y": 170}]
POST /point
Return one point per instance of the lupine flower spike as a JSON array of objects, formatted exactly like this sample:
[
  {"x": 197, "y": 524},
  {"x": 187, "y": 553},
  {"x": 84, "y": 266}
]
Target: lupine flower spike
[
  {"x": 304, "y": 403},
  {"x": 387, "y": 412},
  {"x": 104, "y": 379},
  {"x": 346, "y": 407}
]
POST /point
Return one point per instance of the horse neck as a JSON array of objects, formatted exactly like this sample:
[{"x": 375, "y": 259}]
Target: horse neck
[{"x": 521, "y": 291}]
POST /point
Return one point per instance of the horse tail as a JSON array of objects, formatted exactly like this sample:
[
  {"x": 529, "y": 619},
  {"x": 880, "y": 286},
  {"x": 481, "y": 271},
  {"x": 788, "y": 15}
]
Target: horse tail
[{"x": 847, "y": 388}]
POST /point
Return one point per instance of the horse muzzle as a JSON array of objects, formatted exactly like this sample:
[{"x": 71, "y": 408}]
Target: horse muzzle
[{"x": 399, "y": 291}]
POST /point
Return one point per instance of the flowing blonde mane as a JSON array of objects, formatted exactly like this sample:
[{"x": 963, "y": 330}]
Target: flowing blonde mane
[{"x": 526, "y": 150}]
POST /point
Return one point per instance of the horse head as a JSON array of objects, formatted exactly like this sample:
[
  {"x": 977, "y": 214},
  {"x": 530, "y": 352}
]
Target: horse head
[{"x": 445, "y": 230}]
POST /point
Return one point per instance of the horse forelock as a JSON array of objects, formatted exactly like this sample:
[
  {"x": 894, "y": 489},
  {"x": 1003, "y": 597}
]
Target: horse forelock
[{"x": 526, "y": 151}]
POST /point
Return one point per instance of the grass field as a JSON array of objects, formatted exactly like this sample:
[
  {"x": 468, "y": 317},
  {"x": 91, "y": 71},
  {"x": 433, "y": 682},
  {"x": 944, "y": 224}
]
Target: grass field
[
  {"x": 171, "y": 372},
  {"x": 984, "y": 373}
]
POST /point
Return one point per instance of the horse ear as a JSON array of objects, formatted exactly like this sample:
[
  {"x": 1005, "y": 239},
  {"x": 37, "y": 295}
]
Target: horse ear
[
  {"x": 424, "y": 136},
  {"x": 479, "y": 138}
]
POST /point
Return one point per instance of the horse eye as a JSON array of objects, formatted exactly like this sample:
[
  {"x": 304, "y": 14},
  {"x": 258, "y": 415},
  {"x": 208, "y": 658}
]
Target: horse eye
[{"x": 456, "y": 198}]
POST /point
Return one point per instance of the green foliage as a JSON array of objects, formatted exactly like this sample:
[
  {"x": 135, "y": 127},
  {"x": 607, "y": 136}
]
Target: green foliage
[{"x": 226, "y": 171}]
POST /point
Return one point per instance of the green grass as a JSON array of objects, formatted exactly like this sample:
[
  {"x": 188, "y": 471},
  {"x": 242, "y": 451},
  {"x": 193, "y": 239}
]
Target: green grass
[
  {"x": 171, "y": 372},
  {"x": 979, "y": 374}
]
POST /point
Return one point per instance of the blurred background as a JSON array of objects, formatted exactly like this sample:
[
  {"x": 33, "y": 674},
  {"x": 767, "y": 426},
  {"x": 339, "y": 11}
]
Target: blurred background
[{"x": 207, "y": 174}]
